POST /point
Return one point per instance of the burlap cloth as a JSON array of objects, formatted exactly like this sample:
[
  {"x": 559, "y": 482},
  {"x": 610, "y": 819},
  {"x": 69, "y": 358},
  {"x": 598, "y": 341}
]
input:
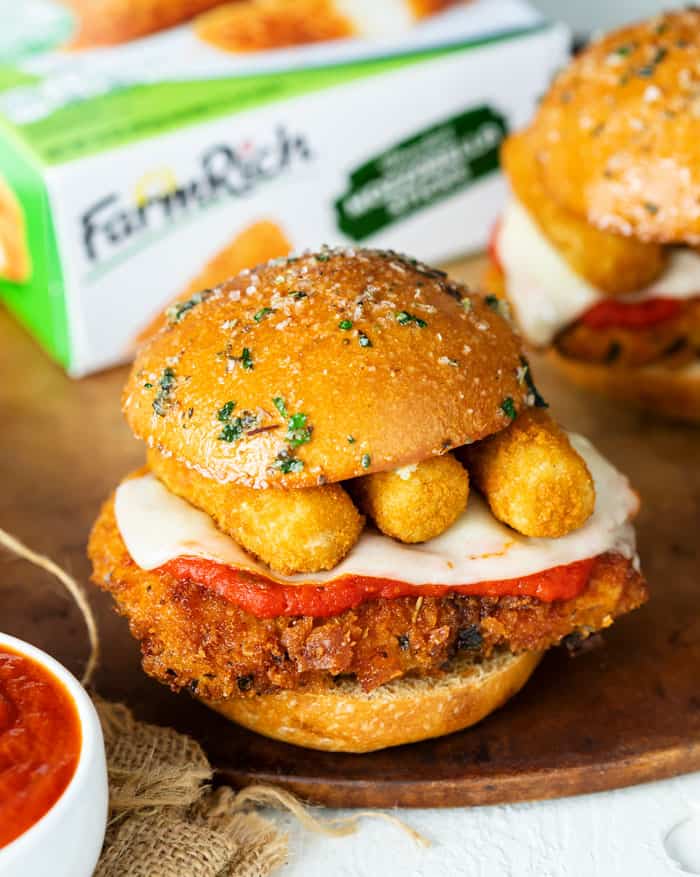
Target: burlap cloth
[
  {"x": 165, "y": 821},
  {"x": 165, "y": 818}
]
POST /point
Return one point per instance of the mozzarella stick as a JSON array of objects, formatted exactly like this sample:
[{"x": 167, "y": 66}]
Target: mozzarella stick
[
  {"x": 414, "y": 503},
  {"x": 532, "y": 478},
  {"x": 303, "y": 530}
]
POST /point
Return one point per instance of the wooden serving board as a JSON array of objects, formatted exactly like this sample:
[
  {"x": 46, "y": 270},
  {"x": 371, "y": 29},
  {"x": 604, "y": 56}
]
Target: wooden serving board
[{"x": 624, "y": 714}]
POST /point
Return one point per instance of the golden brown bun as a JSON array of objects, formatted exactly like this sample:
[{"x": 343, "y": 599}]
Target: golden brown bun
[
  {"x": 257, "y": 243},
  {"x": 417, "y": 372},
  {"x": 347, "y": 719},
  {"x": 674, "y": 393},
  {"x": 610, "y": 262},
  {"x": 617, "y": 137},
  {"x": 109, "y": 22},
  {"x": 15, "y": 261}
]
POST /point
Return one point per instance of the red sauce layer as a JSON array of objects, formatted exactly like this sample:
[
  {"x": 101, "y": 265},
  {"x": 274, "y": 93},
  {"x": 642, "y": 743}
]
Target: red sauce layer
[
  {"x": 40, "y": 742},
  {"x": 611, "y": 312},
  {"x": 265, "y": 598},
  {"x": 631, "y": 315},
  {"x": 492, "y": 247}
]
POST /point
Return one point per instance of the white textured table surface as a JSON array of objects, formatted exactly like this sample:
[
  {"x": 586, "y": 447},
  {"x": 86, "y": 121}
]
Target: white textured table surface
[{"x": 625, "y": 832}]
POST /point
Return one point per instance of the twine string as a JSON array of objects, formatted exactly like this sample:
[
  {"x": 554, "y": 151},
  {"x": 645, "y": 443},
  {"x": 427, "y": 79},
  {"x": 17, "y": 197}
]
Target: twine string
[
  {"x": 279, "y": 799},
  {"x": 143, "y": 794},
  {"x": 14, "y": 546}
]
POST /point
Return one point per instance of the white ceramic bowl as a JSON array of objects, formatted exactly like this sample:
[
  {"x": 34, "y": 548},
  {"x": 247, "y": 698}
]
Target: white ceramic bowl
[{"x": 66, "y": 841}]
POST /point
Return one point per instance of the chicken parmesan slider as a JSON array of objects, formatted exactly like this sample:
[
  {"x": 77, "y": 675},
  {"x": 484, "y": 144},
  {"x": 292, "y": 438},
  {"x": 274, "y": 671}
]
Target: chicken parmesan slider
[
  {"x": 598, "y": 248},
  {"x": 358, "y": 525}
]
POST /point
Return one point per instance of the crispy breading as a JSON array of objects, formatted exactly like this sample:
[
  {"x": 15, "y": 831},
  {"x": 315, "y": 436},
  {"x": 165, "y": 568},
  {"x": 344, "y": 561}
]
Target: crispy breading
[
  {"x": 532, "y": 478},
  {"x": 610, "y": 262},
  {"x": 415, "y": 503},
  {"x": 192, "y": 638},
  {"x": 672, "y": 343},
  {"x": 303, "y": 530}
]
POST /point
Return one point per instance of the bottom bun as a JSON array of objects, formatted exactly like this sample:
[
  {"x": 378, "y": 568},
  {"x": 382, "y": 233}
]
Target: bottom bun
[
  {"x": 672, "y": 392},
  {"x": 345, "y": 718}
]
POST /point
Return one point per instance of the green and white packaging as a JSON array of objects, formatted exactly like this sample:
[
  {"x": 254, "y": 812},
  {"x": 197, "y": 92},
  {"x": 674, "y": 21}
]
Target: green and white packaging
[{"x": 126, "y": 169}]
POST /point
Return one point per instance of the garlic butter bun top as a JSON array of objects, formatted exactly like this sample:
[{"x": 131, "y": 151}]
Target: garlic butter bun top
[
  {"x": 323, "y": 367},
  {"x": 618, "y": 134}
]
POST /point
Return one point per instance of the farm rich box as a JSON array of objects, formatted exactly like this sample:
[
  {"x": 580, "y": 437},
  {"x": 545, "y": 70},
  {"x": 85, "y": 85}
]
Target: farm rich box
[{"x": 134, "y": 173}]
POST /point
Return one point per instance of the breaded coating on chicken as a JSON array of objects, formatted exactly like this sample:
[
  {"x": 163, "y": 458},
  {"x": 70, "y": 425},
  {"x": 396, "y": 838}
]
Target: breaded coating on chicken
[
  {"x": 532, "y": 478},
  {"x": 610, "y": 262},
  {"x": 673, "y": 343},
  {"x": 192, "y": 638},
  {"x": 414, "y": 503},
  {"x": 303, "y": 530}
]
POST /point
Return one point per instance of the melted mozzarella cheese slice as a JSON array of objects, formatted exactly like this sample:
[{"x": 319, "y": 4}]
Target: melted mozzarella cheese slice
[
  {"x": 158, "y": 526},
  {"x": 547, "y": 294}
]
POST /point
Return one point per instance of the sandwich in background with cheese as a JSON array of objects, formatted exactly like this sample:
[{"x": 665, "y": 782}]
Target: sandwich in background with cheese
[
  {"x": 597, "y": 250},
  {"x": 358, "y": 525}
]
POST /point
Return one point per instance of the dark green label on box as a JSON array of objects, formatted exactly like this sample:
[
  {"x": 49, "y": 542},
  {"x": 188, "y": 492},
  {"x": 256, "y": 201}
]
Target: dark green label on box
[{"x": 420, "y": 171}]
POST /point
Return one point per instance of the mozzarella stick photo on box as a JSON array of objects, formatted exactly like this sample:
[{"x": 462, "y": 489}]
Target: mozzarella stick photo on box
[
  {"x": 257, "y": 243},
  {"x": 110, "y": 22},
  {"x": 15, "y": 261},
  {"x": 302, "y": 550},
  {"x": 259, "y": 25}
]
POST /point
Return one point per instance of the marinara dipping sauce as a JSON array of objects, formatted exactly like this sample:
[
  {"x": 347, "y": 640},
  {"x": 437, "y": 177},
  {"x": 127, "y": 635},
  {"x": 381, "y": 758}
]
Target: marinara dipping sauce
[{"x": 40, "y": 741}]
